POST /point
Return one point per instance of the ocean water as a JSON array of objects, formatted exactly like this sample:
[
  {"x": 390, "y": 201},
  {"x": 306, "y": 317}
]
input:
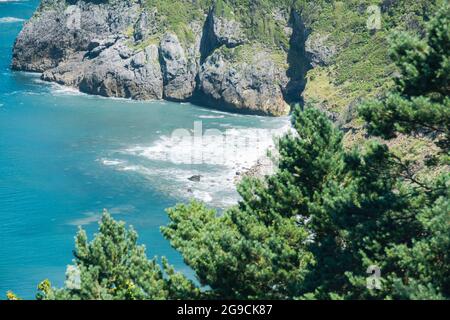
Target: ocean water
[{"x": 66, "y": 156}]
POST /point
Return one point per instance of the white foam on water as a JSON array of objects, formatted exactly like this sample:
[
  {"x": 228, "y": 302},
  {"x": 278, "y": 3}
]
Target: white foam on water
[
  {"x": 202, "y": 196},
  {"x": 109, "y": 163},
  {"x": 10, "y": 19},
  {"x": 171, "y": 161},
  {"x": 60, "y": 90},
  {"x": 215, "y": 187},
  {"x": 231, "y": 148},
  {"x": 71, "y": 91},
  {"x": 67, "y": 91},
  {"x": 225, "y": 113},
  {"x": 87, "y": 219},
  {"x": 212, "y": 117}
]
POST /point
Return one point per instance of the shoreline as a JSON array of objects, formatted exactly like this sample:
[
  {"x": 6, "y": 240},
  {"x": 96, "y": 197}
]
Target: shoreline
[{"x": 194, "y": 102}]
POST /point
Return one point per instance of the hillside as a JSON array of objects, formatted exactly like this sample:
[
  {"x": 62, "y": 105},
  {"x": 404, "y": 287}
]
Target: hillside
[{"x": 250, "y": 56}]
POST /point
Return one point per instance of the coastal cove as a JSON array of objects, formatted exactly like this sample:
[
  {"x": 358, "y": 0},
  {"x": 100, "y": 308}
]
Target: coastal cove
[{"x": 65, "y": 156}]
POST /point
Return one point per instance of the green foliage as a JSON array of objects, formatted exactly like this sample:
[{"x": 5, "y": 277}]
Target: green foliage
[
  {"x": 361, "y": 67},
  {"x": 239, "y": 255},
  {"x": 11, "y": 296},
  {"x": 427, "y": 260},
  {"x": 346, "y": 210},
  {"x": 421, "y": 103},
  {"x": 176, "y": 15},
  {"x": 311, "y": 230},
  {"x": 113, "y": 267}
]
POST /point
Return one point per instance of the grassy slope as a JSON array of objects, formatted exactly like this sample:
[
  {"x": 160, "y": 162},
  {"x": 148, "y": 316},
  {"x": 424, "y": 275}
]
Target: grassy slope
[{"x": 362, "y": 68}]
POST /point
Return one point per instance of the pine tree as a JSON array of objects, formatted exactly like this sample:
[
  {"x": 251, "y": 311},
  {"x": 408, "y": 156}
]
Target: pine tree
[
  {"x": 420, "y": 105},
  {"x": 113, "y": 267},
  {"x": 259, "y": 249},
  {"x": 421, "y": 102}
]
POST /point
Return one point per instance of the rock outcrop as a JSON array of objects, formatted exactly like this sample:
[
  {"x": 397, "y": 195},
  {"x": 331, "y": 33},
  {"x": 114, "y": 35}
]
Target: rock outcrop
[
  {"x": 179, "y": 70},
  {"x": 130, "y": 49},
  {"x": 112, "y": 69},
  {"x": 319, "y": 51},
  {"x": 253, "y": 83},
  {"x": 59, "y": 29}
]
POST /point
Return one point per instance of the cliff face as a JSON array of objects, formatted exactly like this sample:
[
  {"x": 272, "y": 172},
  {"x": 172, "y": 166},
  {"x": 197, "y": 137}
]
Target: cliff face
[
  {"x": 147, "y": 49},
  {"x": 250, "y": 56}
]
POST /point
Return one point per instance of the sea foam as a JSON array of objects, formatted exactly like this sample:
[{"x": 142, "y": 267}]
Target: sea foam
[
  {"x": 10, "y": 19},
  {"x": 170, "y": 161}
]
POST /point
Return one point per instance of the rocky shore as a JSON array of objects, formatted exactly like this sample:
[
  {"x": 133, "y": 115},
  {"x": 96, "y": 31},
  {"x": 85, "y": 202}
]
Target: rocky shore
[
  {"x": 134, "y": 49},
  {"x": 262, "y": 168}
]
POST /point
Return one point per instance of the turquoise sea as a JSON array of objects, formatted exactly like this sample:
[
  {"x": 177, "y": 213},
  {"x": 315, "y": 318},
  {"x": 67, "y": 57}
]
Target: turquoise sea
[{"x": 66, "y": 156}]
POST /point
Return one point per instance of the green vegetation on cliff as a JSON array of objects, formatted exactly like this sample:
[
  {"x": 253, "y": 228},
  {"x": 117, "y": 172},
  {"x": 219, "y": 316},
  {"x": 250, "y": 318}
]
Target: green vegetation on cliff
[
  {"x": 331, "y": 53},
  {"x": 358, "y": 65},
  {"x": 361, "y": 66}
]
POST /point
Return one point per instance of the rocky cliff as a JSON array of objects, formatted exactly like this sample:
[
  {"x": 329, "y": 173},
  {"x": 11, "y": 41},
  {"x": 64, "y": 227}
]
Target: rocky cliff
[
  {"x": 176, "y": 50},
  {"x": 249, "y": 56}
]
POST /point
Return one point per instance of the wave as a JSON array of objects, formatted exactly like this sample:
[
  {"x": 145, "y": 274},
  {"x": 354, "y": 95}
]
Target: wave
[
  {"x": 59, "y": 90},
  {"x": 219, "y": 160},
  {"x": 225, "y": 113},
  {"x": 62, "y": 90},
  {"x": 114, "y": 162},
  {"x": 216, "y": 187},
  {"x": 232, "y": 148},
  {"x": 211, "y": 117},
  {"x": 10, "y": 19}
]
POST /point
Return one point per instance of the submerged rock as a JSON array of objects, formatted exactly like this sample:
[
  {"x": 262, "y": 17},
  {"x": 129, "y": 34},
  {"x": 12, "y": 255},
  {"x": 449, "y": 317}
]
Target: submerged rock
[{"x": 196, "y": 178}]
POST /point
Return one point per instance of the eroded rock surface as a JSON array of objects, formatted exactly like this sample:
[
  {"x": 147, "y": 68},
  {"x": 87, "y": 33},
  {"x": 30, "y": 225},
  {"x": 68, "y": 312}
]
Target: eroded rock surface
[
  {"x": 253, "y": 86},
  {"x": 126, "y": 48}
]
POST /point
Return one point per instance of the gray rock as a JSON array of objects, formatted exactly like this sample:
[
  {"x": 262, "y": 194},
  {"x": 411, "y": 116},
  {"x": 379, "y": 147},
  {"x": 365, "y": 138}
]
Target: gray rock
[
  {"x": 57, "y": 31},
  {"x": 253, "y": 86},
  {"x": 319, "y": 51},
  {"x": 196, "y": 178},
  {"x": 179, "y": 78},
  {"x": 146, "y": 25},
  {"x": 219, "y": 32},
  {"x": 109, "y": 48},
  {"x": 109, "y": 74},
  {"x": 228, "y": 32}
]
